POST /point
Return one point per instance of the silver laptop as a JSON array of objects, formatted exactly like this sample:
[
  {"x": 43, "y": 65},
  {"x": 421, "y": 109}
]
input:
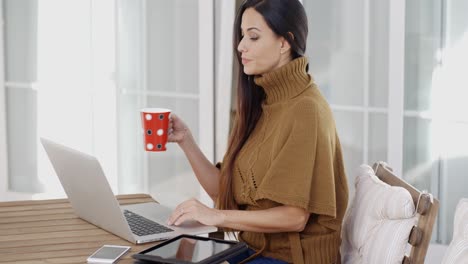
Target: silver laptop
[{"x": 92, "y": 199}]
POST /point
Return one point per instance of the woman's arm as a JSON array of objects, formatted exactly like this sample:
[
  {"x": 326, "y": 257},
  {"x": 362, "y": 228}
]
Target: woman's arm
[
  {"x": 277, "y": 219},
  {"x": 207, "y": 174}
]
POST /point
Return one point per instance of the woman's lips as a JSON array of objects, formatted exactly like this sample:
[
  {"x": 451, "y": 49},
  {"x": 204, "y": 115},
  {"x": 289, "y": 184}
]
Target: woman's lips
[{"x": 245, "y": 61}]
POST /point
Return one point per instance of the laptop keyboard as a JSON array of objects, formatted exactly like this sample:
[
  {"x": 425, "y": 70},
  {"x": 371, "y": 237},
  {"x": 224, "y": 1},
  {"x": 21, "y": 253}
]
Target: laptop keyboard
[{"x": 142, "y": 226}]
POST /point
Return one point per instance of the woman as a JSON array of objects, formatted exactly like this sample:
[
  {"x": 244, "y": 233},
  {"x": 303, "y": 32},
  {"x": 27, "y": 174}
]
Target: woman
[{"x": 282, "y": 182}]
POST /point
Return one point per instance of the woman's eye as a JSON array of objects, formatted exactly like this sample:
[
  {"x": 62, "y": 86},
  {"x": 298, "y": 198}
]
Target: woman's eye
[{"x": 254, "y": 38}]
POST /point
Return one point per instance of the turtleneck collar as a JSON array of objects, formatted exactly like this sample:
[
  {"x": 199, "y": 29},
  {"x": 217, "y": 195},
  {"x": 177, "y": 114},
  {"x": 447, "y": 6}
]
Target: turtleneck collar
[{"x": 285, "y": 82}]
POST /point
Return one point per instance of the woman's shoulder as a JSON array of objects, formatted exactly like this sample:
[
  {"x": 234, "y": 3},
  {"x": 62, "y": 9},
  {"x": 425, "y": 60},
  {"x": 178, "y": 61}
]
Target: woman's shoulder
[{"x": 311, "y": 100}]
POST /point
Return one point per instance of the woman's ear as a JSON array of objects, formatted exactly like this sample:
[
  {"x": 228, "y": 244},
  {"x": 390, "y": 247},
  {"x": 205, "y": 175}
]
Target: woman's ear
[{"x": 285, "y": 46}]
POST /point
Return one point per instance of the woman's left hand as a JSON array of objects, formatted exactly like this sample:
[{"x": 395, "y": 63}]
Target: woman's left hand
[{"x": 195, "y": 210}]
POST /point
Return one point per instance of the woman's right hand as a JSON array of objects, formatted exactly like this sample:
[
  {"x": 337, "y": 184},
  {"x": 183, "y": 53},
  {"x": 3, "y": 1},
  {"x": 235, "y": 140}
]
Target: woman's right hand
[{"x": 178, "y": 130}]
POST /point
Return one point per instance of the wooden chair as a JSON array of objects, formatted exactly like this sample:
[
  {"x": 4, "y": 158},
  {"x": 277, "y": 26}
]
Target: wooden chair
[{"x": 427, "y": 207}]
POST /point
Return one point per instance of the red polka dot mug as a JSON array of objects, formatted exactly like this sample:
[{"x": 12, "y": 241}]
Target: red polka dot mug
[{"x": 155, "y": 122}]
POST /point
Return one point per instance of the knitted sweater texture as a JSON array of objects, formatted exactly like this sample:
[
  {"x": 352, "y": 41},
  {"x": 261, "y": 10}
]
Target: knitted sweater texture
[{"x": 293, "y": 157}]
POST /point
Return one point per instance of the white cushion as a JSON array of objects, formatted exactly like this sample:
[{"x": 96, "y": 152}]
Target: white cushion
[
  {"x": 378, "y": 222},
  {"x": 457, "y": 252}
]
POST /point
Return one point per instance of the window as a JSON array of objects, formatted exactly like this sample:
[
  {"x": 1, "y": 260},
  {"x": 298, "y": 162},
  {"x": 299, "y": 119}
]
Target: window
[
  {"x": 59, "y": 61},
  {"x": 165, "y": 59},
  {"x": 393, "y": 72},
  {"x": 435, "y": 122},
  {"x": 348, "y": 56},
  {"x": 79, "y": 71}
]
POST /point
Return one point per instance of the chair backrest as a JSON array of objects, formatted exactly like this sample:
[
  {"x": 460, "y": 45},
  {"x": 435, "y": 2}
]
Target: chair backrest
[
  {"x": 386, "y": 216},
  {"x": 427, "y": 207},
  {"x": 457, "y": 252}
]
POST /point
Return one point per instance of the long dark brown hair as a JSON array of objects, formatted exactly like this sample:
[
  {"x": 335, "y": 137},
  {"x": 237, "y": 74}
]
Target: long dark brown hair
[{"x": 287, "y": 18}]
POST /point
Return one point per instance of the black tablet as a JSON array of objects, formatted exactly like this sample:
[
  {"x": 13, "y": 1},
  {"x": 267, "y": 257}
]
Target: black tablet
[{"x": 187, "y": 249}]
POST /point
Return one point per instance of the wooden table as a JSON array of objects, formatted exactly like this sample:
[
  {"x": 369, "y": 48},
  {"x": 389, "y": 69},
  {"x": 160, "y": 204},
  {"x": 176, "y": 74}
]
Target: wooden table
[{"x": 48, "y": 231}]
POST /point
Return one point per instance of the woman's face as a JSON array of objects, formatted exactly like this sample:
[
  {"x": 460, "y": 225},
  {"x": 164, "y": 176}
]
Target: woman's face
[{"x": 261, "y": 49}]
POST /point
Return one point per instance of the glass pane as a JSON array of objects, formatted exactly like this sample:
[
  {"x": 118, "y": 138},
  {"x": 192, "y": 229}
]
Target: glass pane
[
  {"x": 348, "y": 48},
  {"x": 20, "y": 40},
  {"x": 131, "y": 153},
  {"x": 457, "y": 23},
  {"x": 335, "y": 49},
  {"x": 350, "y": 131},
  {"x": 378, "y": 53},
  {"x": 171, "y": 179},
  {"x": 48, "y": 48},
  {"x": 453, "y": 174},
  {"x": 130, "y": 45},
  {"x": 437, "y": 82},
  {"x": 451, "y": 81},
  {"x": 452, "y": 104},
  {"x": 423, "y": 43},
  {"x": 21, "y": 140},
  {"x": 172, "y": 28},
  {"x": 378, "y": 138},
  {"x": 64, "y": 43},
  {"x": 417, "y": 163},
  {"x": 154, "y": 57}
]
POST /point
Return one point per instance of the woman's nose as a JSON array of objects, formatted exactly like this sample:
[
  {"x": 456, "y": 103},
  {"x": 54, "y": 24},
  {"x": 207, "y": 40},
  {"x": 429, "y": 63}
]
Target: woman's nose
[{"x": 241, "y": 47}]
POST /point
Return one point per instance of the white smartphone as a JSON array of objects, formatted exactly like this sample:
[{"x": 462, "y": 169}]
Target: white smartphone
[{"x": 108, "y": 254}]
